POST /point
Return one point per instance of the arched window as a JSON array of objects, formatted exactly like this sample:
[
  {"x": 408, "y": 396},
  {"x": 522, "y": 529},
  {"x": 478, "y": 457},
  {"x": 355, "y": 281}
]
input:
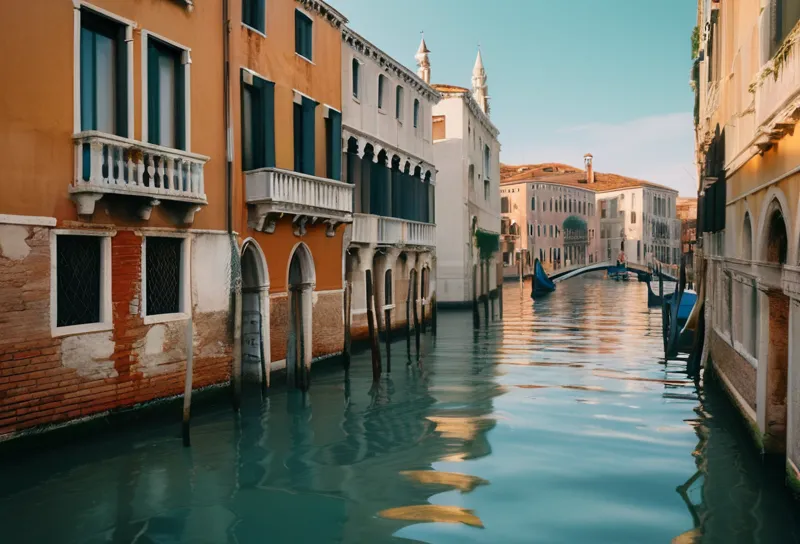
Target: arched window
[
  {"x": 398, "y": 96},
  {"x": 381, "y": 90},
  {"x": 356, "y": 77},
  {"x": 416, "y": 113},
  {"x": 533, "y": 204},
  {"x": 777, "y": 240},
  {"x": 747, "y": 239}
]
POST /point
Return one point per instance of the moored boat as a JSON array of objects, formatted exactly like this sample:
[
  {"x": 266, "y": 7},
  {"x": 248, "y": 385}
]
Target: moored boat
[{"x": 542, "y": 284}]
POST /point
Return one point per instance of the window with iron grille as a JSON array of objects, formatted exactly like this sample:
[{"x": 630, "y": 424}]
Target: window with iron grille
[
  {"x": 78, "y": 279},
  {"x": 163, "y": 275}
]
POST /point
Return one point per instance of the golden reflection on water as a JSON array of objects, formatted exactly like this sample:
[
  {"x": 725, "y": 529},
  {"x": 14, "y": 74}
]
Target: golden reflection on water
[
  {"x": 463, "y": 482},
  {"x": 573, "y": 387},
  {"x": 432, "y": 513},
  {"x": 689, "y": 537},
  {"x": 463, "y": 428}
]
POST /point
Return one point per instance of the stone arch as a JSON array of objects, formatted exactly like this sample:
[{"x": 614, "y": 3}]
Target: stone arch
[
  {"x": 304, "y": 272},
  {"x": 747, "y": 237},
  {"x": 301, "y": 280},
  {"x": 770, "y": 237},
  {"x": 255, "y": 308}
]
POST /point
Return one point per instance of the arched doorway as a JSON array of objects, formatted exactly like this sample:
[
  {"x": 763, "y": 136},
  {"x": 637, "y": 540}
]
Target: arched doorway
[
  {"x": 255, "y": 315},
  {"x": 301, "y": 283}
]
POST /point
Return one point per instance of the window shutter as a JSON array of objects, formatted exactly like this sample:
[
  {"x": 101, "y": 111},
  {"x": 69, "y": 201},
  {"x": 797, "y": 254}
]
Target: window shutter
[
  {"x": 180, "y": 102},
  {"x": 260, "y": 16},
  {"x": 336, "y": 145},
  {"x": 298, "y": 137},
  {"x": 308, "y": 156},
  {"x": 122, "y": 84},
  {"x": 153, "y": 103},
  {"x": 88, "y": 80},
  {"x": 268, "y": 111}
]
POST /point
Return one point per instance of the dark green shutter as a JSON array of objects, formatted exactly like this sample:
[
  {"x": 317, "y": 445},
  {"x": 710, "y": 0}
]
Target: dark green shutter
[
  {"x": 259, "y": 14},
  {"x": 308, "y": 133},
  {"x": 298, "y": 137},
  {"x": 122, "y": 84},
  {"x": 268, "y": 107},
  {"x": 309, "y": 39},
  {"x": 153, "y": 102},
  {"x": 335, "y": 145},
  {"x": 180, "y": 102},
  {"x": 88, "y": 80}
]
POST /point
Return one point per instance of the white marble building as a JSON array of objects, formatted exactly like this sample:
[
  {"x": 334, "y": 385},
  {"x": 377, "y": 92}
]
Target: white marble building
[
  {"x": 467, "y": 156},
  {"x": 388, "y": 156}
]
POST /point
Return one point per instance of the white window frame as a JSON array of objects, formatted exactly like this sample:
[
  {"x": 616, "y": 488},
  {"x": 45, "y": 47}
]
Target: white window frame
[
  {"x": 106, "y": 322},
  {"x": 252, "y": 29},
  {"x": 129, "y": 25},
  {"x": 185, "y": 287},
  {"x": 310, "y": 18},
  {"x": 186, "y": 61},
  {"x": 399, "y": 107},
  {"x": 381, "y": 104}
]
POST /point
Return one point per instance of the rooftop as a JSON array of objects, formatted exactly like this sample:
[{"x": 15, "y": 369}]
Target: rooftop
[
  {"x": 443, "y": 88},
  {"x": 564, "y": 174}
]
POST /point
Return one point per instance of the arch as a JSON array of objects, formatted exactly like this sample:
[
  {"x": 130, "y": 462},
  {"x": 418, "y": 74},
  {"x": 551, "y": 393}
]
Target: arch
[
  {"x": 388, "y": 283},
  {"x": 352, "y": 145},
  {"x": 303, "y": 273},
  {"x": 253, "y": 253},
  {"x": 255, "y": 315},
  {"x": 774, "y": 201},
  {"x": 747, "y": 238}
]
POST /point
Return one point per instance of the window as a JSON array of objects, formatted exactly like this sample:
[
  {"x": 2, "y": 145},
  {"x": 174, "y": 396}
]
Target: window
[
  {"x": 79, "y": 280},
  {"x": 486, "y": 162},
  {"x": 398, "y": 110},
  {"x": 253, "y": 14},
  {"x": 787, "y": 14},
  {"x": 387, "y": 287},
  {"x": 303, "y": 35},
  {"x": 533, "y": 204},
  {"x": 381, "y": 89},
  {"x": 551, "y": 231},
  {"x": 416, "y": 113},
  {"x": 504, "y": 208},
  {"x": 486, "y": 190},
  {"x": 103, "y": 75},
  {"x": 538, "y": 230},
  {"x": 164, "y": 268},
  {"x": 471, "y": 177},
  {"x": 258, "y": 122},
  {"x": 165, "y": 95},
  {"x": 304, "y": 152},
  {"x": 333, "y": 144},
  {"x": 356, "y": 75},
  {"x": 633, "y": 218}
]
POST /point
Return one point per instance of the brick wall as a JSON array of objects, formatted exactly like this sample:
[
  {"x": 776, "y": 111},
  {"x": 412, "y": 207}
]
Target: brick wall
[
  {"x": 736, "y": 368},
  {"x": 46, "y": 380}
]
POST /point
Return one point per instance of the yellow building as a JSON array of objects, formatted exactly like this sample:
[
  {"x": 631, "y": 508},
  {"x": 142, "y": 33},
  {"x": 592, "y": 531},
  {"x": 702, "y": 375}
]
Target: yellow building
[{"x": 747, "y": 79}]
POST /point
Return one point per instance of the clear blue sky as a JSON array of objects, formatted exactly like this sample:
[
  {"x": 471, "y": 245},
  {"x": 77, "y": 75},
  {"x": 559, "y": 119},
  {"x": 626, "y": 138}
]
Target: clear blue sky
[{"x": 566, "y": 77}]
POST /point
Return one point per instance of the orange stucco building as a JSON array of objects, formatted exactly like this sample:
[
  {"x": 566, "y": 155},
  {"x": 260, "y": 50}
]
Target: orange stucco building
[{"x": 158, "y": 157}]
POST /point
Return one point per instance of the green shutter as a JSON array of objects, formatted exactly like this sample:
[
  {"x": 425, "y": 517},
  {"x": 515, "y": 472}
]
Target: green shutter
[
  {"x": 268, "y": 108},
  {"x": 336, "y": 145},
  {"x": 88, "y": 80},
  {"x": 298, "y": 137},
  {"x": 259, "y": 14},
  {"x": 153, "y": 102},
  {"x": 180, "y": 102},
  {"x": 308, "y": 133},
  {"x": 122, "y": 84}
]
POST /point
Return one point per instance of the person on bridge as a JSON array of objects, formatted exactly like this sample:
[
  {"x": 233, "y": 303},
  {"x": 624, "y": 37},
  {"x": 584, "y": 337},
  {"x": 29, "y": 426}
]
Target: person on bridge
[{"x": 621, "y": 259}]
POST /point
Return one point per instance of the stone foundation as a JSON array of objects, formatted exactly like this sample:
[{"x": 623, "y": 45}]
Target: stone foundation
[{"x": 735, "y": 368}]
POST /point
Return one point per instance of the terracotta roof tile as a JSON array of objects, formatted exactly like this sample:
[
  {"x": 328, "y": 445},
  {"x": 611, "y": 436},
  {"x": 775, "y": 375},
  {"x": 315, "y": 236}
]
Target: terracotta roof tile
[{"x": 564, "y": 174}]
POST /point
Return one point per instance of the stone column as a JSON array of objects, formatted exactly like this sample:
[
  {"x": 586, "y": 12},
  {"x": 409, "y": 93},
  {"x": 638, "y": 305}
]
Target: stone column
[
  {"x": 763, "y": 358},
  {"x": 793, "y": 401}
]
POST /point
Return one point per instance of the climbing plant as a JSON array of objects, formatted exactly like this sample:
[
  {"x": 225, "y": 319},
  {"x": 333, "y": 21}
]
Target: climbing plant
[
  {"x": 487, "y": 242},
  {"x": 695, "y": 42}
]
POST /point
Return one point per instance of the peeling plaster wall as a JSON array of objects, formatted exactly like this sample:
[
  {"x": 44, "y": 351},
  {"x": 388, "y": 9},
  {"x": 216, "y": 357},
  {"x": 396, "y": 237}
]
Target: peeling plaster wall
[{"x": 211, "y": 279}]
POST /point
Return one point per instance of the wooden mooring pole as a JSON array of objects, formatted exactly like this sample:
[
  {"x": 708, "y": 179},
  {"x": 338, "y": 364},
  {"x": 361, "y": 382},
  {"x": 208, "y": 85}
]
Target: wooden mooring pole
[
  {"x": 187, "y": 388},
  {"x": 348, "y": 301},
  {"x": 416, "y": 317},
  {"x": 476, "y": 318},
  {"x": 433, "y": 315},
  {"x": 373, "y": 337},
  {"x": 387, "y": 335}
]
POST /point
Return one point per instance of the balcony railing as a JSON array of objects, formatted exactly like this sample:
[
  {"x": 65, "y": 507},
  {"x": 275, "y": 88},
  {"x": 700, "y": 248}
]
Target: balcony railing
[
  {"x": 109, "y": 164},
  {"x": 274, "y": 192},
  {"x": 390, "y": 231},
  {"x": 777, "y": 88}
]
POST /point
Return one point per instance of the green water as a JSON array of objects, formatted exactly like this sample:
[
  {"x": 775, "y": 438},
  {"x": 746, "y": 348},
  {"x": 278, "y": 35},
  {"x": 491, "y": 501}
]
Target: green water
[{"x": 559, "y": 424}]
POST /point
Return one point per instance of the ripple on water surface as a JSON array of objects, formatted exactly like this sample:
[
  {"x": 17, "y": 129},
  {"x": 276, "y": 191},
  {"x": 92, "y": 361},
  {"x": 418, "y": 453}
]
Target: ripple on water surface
[{"x": 559, "y": 424}]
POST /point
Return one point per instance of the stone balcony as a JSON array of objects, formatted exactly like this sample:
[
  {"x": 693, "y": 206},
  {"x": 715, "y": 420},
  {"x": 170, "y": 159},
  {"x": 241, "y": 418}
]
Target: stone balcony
[
  {"x": 147, "y": 174},
  {"x": 390, "y": 231},
  {"x": 273, "y": 193},
  {"x": 777, "y": 93},
  {"x": 791, "y": 281}
]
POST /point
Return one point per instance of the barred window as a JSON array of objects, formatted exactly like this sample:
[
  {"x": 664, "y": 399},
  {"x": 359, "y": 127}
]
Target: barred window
[
  {"x": 78, "y": 280},
  {"x": 163, "y": 275}
]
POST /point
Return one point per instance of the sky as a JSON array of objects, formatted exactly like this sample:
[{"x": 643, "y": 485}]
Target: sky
[{"x": 566, "y": 77}]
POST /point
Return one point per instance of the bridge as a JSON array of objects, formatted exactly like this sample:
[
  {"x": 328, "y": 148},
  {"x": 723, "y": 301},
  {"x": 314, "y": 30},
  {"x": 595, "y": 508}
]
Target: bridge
[{"x": 639, "y": 269}]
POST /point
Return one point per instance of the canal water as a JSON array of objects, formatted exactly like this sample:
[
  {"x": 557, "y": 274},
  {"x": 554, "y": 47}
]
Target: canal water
[{"x": 560, "y": 424}]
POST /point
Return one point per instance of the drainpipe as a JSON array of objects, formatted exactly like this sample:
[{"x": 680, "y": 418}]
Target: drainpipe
[{"x": 236, "y": 373}]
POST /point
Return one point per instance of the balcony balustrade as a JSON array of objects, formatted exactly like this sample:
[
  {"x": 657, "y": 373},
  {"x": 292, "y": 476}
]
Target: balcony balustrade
[
  {"x": 390, "y": 231},
  {"x": 106, "y": 164},
  {"x": 273, "y": 193},
  {"x": 777, "y": 92}
]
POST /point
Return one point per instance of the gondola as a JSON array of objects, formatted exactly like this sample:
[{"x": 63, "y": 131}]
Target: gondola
[
  {"x": 675, "y": 310},
  {"x": 618, "y": 273},
  {"x": 542, "y": 284}
]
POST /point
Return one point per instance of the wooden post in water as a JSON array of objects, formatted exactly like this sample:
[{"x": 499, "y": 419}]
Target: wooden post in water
[
  {"x": 348, "y": 300},
  {"x": 485, "y": 289},
  {"x": 416, "y": 315},
  {"x": 500, "y": 298},
  {"x": 433, "y": 315},
  {"x": 408, "y": 319},
  {"x": 388, "y": 338},
  {"x": 373, "y": 337},
  {"x": 476, "y": 318},
  {"x": 187, "y": 388},
  {"x": 237, "y": 349}
]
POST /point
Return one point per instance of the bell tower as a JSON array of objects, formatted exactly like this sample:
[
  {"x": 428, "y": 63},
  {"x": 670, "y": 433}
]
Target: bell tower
[
  {"x": 480, "y": 90},
  {"x": 423, "y": 61}
]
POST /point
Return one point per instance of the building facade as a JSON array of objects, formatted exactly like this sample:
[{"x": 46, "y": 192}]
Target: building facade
[
  {"x": 388, "y": 159},
  {"x": 686, "y": 209},
  {"x": 467, "y": 156},
  {"x": 746, "y": 77}
]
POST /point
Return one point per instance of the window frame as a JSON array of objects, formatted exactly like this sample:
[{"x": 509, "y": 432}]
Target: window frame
[
  {"x": 381, "y": 93},
  {"x": 128, "y": 25},
  {"x": 355, "y": 76},
  {"x": 268, "y": 139},
  {"x": 184, "y": 288},
  {"x": 106, "y": 322},
  {"x": 310, "y": 19},
  {"x": 416, "y": 112},
  {"x": 186, "y": 62},
  {"x": 399, "y": 103}
]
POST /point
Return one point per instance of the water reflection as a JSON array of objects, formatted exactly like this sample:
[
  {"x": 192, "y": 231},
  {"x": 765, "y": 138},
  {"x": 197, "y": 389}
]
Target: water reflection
[{"x": 559, "y": 424}]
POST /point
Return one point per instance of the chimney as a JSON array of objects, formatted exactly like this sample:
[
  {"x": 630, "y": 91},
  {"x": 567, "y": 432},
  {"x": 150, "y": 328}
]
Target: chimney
[{"x": 587, "y": 161}]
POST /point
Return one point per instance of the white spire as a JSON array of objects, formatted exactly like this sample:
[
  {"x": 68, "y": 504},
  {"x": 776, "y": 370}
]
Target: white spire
[
  {"x": 480, "y": 90},
  {"x": 423, "y": 61}
]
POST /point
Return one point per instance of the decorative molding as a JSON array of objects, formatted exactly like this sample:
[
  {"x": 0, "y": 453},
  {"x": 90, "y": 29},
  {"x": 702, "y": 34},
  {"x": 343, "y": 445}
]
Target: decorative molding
[
  {"x": 387, "y": 63},
  {"x": 475, "y": 109},
  {"x": 379, "y": 145},
  {"x": 324, "y": 10},
  {"x": 28, "y": 220}
]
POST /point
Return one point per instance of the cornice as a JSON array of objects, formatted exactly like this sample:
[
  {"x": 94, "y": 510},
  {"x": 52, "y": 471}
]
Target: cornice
[{"x": 335, "y": 18}]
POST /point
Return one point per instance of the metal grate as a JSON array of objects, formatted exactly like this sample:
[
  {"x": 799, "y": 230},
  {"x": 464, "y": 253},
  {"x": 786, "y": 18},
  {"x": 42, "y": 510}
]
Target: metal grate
[
  {"x": 163, "y": 261},
  {"x": 78, "y": 280}
]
